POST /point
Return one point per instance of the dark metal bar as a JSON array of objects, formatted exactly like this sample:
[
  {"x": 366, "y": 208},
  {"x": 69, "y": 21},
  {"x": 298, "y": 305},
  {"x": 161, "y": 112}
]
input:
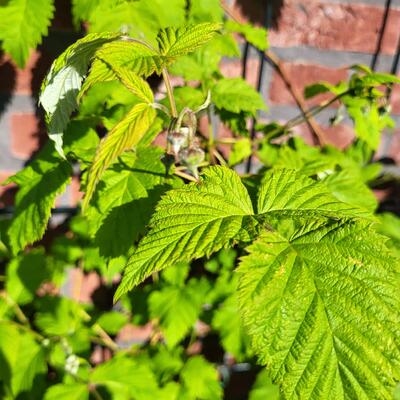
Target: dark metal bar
[{"x": 381, "y": 34}]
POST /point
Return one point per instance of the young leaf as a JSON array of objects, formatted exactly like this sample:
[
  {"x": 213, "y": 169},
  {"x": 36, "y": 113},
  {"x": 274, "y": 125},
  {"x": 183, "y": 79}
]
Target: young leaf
[
  {"x": 133, "y": 54},
  {"x": 175, "y": 42},
  {"x": 22, "y": 25},
  {"x": 254, "y": 35},
  {"x": 237, "y": 95},
  {"x": 189, "y": 223},
  {"x": 39, "y": 184},
  {"x": 321, "y": 304},
  {"x": 63, "y": 83},
  {"x": 126, "y": 134}
]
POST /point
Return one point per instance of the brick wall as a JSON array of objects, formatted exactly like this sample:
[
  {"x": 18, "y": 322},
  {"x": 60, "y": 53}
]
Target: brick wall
[{"x": 316, "y": 39}]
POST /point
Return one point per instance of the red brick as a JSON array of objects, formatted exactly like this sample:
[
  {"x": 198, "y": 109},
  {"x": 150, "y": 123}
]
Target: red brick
[
  {"x": 75, "y": 194},
  {"x": 350, "y": 27},
  {"x": 394, "y": 150},
  {"x": 339, "y": 136},
  {"x": 233, "y": 69},
  {"x": 300, "y": 76},
  {"x": 395, "y": 99},
  {"x": 130, "y": 334},
  {"x": 25, "y": 134}
]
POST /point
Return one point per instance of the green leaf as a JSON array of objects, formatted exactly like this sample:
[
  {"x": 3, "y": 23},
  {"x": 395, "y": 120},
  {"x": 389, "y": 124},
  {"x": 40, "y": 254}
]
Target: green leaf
[
  {"x": 228, "y": 322},
  {"x": 177, "y": 308},
  {"x": 22, "y": 362},
  {"x": 175, "y": 42},
  {"x": 321, "y": 304},
  {"x": 237, "y": 95},
  {"x": 316, "y": 88},
  {"x": 205, "y": 11},
  {"x": 191, "y": 222},
  {"x": 39, "y": 184},
  {"x": 240, "y": 150},
  {"x": 24, "y": 276},
  {"x": 263, "y": 388},
  {"x": 286, "y": 192},
  {"x": 348, "y": 187},
  {"x": 140, "y": 19},
  {"x": 254, "y": 35},
  {"x": 125, "y": 135},
  {"x": 71, "y": 391},
  {"x": 82, "y": 9},
  {"x": 58, "y": 316},
  {"x": 126, "y": 378},
  {"x": 200, "y": 380},
  {"x": 112, "y": 321},
  {"x": 63, "y": 83},
  {"x": 22, "y": 25},
  {"x": 125, "y": 200}
]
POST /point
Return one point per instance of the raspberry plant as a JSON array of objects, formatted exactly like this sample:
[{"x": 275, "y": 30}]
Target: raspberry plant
[{"x": 289, "y": 264}]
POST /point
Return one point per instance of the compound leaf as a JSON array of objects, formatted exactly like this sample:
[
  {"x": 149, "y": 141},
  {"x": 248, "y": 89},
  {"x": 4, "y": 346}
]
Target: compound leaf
[
  {"x": 321, "y": 305},
  {"x": 191, "y": 222}
]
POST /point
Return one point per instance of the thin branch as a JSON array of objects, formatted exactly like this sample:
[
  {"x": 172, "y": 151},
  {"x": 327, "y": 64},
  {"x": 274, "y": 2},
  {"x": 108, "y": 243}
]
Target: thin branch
[
  {"x": 316, "y": 132},
  {"x": 185, "y": 176},
  {"x": 170, "y": 94}
]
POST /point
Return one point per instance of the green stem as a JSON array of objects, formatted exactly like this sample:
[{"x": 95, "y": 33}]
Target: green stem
[{"x": 170, "y": 93}]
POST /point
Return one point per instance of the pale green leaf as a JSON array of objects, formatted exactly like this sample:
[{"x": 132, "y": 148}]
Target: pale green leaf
[
  {"x": 191, "y": 222},
  {"x": 236, "y": 95},
  {"x": 22, "y": 25},
  {"x": 321, "y": 304},
  {"x": 124, "y": 136},
  {"x": 39, "y": 183},
  {"x": 133, "y": 54},
  {"x": 175, "y": 42},
  {"x": 63, "y": 83},
  {"x": 254, "y": 35}
]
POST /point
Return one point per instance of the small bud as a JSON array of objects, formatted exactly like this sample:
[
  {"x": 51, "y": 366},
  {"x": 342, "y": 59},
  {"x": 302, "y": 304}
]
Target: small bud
[
  {"x": 178, "y": 139},
  {"x": 192, "y": 157}
]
